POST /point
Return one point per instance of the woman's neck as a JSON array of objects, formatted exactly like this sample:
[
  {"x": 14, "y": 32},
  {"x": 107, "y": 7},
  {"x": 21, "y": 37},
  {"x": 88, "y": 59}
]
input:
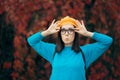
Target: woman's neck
[{"x": 67, "y": 45}]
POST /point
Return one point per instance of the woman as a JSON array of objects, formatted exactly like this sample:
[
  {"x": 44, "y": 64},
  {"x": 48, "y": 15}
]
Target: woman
[{"x": 67, "y": 57}]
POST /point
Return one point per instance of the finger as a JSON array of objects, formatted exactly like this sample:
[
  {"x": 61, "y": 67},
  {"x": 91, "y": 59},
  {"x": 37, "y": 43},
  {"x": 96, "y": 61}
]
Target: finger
[
  {"x": 81, "y": 22},
  {"x": 57, "y": 28},
  {"x": 78, "y": 23},
  {"x": 83, "y": 25},
  {"x": 55, "y": 24},
  {"x": 53, "y": 21}
]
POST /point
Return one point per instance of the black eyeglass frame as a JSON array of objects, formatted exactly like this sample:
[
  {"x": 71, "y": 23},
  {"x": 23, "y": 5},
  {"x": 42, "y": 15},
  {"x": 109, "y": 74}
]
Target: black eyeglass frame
[{"x": 69, "y": 31}]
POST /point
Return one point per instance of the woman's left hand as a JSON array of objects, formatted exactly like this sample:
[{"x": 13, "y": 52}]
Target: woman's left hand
[{"x": 81, "y": 29}]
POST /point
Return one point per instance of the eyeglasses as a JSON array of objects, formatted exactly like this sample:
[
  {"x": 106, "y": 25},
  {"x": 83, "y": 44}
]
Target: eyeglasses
[{"x": 69, "y": 31}]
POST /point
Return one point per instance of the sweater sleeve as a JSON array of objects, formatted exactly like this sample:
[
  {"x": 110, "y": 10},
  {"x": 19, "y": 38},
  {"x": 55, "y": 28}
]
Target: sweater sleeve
[
  {"x": 95, "y": 50},
  {"x": 46, "y": 50}
]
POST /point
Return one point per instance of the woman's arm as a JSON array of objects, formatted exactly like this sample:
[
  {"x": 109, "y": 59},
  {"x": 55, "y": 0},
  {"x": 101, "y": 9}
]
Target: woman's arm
[
  {"x": 95, "y": 50},
  {"x": 52, "y": 29},
  {"x": 46, "y": 50}
]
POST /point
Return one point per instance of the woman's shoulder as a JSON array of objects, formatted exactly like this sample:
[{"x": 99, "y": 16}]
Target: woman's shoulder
[{"x": 84, "y": 46}]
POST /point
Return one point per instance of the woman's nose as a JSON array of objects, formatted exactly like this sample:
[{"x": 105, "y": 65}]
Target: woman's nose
[{"x": 66, "y": 33}]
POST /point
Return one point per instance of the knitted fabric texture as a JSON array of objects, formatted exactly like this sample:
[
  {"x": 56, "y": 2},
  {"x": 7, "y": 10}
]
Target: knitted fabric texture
[{"x": 67, "y": 20}]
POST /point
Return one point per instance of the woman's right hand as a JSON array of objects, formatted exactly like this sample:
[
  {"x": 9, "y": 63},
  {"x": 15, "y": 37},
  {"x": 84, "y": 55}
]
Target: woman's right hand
[{"x": 52, "y": 29}]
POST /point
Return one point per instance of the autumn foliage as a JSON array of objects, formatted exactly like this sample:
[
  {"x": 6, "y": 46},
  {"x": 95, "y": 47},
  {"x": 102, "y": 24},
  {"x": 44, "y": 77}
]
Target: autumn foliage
[{"x": 21, "y": 18}]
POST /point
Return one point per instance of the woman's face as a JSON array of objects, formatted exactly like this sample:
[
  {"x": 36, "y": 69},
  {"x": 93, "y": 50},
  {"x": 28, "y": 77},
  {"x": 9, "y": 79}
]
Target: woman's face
[{"x": 67, "y": 34}]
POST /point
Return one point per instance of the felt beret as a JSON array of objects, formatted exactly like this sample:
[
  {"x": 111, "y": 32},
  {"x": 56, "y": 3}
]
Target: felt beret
[{"x": 67, "y": 20}]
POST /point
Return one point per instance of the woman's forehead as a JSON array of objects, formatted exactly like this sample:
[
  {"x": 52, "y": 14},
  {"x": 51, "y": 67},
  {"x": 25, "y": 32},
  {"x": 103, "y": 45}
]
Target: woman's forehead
[{"x": 67, "y": 26}]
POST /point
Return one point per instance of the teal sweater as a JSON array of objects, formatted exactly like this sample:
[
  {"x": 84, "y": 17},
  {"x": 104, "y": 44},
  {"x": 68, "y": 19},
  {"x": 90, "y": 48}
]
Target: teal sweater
[{"x": 68, "y": 65}]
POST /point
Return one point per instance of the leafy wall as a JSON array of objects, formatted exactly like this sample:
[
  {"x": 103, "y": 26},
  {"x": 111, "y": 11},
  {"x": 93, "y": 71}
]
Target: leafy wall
[{"x": 21, "y": 18}]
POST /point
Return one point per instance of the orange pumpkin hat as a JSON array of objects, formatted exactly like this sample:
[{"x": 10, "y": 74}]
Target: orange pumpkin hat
[{"x": 67, "y": 20}]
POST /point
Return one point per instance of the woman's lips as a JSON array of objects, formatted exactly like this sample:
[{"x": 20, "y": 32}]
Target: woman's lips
[{"x": 66, "y": 39}]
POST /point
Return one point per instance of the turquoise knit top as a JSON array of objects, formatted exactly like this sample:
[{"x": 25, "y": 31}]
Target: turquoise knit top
[{"x": 68, "y": 65}]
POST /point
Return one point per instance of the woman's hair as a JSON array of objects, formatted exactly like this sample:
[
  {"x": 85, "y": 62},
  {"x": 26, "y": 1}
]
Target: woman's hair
[{"x": 60, "y": 44}]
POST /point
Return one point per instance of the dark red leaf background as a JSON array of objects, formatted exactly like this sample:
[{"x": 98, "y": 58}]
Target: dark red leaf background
[{"x": 21, "y": 18}]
